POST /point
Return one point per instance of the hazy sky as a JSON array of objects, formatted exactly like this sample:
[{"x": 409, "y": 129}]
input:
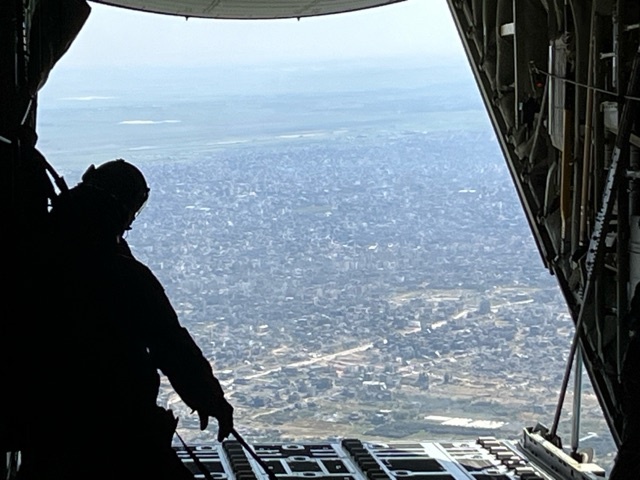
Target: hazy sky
[{"x": 116, "y": 36}]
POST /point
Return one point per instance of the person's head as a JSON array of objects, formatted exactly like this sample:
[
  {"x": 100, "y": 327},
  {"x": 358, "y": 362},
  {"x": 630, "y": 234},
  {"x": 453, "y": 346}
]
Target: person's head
[{"x": 123, "y": 182}]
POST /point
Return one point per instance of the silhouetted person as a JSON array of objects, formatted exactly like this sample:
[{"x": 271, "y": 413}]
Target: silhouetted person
[
  {"x": 110, "y": 329},
  {"x": 627, "y": 464}
]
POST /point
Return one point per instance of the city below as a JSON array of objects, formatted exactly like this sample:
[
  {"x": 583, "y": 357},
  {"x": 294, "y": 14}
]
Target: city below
[
  {"x": 353, "y": 263},
  {"x": 395, "y": 300}
]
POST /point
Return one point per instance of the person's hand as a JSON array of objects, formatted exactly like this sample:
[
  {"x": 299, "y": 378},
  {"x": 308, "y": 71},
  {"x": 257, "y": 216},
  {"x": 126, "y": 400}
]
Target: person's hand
[{"x": 223, "y": 413}]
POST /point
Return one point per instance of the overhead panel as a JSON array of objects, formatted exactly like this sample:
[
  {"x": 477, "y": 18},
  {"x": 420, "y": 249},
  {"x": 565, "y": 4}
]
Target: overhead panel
[{"x": 248, "y": 9}]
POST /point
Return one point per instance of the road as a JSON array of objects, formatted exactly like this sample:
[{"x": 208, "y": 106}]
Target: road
[{"x": 304, "y": 363}]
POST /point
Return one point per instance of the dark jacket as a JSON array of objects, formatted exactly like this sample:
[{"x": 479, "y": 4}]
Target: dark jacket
[{"x": 98, "y": 353}]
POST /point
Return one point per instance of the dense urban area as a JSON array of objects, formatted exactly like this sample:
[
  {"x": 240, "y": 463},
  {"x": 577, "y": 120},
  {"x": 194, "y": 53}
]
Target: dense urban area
[
  {"x": 368, "y": 286},
  {"x": 354, "y": 263}
]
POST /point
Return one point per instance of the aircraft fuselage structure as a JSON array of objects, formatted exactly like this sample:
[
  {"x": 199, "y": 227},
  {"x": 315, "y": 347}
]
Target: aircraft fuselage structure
[{"x": 559, "y": 81}]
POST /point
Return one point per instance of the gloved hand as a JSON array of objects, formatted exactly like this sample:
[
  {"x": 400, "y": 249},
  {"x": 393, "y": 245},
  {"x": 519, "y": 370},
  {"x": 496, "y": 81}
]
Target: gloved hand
[{"x": 223, "y": 413}]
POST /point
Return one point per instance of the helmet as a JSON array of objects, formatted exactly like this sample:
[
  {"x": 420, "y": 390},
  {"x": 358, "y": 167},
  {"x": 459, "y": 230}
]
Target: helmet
[{"x": 124, "y": 182}]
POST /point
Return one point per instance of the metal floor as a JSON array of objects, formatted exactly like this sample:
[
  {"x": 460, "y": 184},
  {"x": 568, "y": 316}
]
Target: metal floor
[{"x": 351, "y": 459}]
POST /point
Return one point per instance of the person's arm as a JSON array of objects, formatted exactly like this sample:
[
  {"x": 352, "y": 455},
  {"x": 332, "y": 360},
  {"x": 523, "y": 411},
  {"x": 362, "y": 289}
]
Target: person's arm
[
  {"x": 190, "y": 374},
  {"x": 176, "y": 354}
]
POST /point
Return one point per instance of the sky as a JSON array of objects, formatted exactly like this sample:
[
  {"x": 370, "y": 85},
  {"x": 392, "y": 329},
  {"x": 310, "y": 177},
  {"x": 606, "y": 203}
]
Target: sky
[{"x": 121, "y": 37}]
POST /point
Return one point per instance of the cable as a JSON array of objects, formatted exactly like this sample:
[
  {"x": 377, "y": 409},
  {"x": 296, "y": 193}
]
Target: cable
[
  {"x": 262, "y": 463},
  {"x": 241, "y": 441},
  {"x": 196, "y": 460},
  {"x": 583, "y": 85}
]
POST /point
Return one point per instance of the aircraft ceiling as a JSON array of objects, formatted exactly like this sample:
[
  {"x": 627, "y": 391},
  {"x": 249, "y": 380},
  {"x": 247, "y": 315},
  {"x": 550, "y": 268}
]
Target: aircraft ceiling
[{"x": 247, "y": 9}]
